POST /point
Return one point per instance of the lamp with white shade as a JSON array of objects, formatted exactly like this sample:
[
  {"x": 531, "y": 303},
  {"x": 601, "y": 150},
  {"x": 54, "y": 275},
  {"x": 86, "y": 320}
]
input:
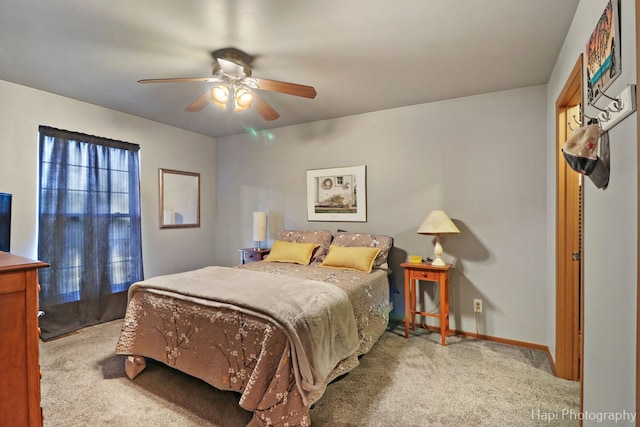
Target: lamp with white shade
[
  {"x": 259, "y": 227},
  {"x": 436, "y": 224}
]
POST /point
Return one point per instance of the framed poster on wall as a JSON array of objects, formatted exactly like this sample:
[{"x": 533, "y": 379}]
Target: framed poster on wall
[
  {"x": 603, "y": 64},
  {"x": 337, "y": 194}
]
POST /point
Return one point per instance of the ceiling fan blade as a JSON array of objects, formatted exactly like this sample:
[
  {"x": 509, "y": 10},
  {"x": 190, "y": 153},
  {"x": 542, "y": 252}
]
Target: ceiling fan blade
[
  {"x": 181, "y": 79},
  {"x": 264, "y": 109},
  {"x": 282, "y": 87},
  {"x": 199, "y": 103}
]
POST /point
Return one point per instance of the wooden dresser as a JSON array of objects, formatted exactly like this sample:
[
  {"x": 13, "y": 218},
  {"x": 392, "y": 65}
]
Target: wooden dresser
[{"x": 19, "y": 342}]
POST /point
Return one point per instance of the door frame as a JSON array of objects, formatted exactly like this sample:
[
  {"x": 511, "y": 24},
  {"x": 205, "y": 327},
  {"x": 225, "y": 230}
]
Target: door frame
[
  {"x": 568, "y": 237},
  {"x": 637, "y": 24}
]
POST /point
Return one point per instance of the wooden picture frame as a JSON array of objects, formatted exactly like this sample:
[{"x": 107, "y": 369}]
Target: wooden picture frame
[
  {"x": 179, "y": 198},
  {"x": 337, "y": 194},
  {"x": 603, "y": 58}
]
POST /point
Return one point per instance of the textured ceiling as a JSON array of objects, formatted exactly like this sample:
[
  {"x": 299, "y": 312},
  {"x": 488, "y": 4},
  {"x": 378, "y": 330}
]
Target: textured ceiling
[{"x": 360, "y": 55}]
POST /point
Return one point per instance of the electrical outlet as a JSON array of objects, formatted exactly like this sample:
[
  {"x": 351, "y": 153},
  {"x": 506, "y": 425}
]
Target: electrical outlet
[{"x": 477, "y": 305}]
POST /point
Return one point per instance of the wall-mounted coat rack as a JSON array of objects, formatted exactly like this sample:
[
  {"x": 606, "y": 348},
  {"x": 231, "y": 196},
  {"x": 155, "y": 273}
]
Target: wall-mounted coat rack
[{"x": 618, "y": 108}]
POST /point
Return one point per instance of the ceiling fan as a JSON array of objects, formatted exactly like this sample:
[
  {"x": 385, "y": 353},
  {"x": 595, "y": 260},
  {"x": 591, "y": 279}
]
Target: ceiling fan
[{"x": 235, "y": 85}]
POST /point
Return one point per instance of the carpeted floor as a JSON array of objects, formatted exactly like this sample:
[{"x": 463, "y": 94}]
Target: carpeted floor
[{"x": 400, "y": 382}]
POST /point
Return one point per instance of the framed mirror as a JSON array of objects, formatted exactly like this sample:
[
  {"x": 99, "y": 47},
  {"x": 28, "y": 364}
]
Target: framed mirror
[{"x": 179, "y": 199}]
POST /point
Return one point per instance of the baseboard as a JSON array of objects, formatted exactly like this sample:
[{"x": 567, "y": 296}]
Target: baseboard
[
  {"x": 500, "y": 340},
  {"x": 516, "y": 343}
]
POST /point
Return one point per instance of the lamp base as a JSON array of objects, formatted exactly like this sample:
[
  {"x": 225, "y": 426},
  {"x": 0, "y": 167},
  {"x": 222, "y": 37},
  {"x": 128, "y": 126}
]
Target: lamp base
[
  {"x": 437, "y": 251},
  {"x": 438, "y": 262}
]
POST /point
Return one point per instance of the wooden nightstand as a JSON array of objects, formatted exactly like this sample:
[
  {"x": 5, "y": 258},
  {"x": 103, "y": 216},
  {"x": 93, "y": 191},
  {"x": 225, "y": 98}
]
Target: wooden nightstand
[
  {"x": 253, "y": 254},
  {"x": 426, "y": 272}
]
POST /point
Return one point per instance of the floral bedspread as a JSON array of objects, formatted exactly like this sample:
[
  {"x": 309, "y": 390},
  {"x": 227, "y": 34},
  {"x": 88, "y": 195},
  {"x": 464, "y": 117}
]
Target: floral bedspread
[{"x": 233, "y": 350}]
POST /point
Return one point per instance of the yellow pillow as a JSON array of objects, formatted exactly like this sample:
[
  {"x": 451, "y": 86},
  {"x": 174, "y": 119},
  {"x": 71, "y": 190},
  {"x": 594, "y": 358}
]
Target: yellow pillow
[
  {"x": 299, "y": 253},
  {"x": 352, "y": 258}
]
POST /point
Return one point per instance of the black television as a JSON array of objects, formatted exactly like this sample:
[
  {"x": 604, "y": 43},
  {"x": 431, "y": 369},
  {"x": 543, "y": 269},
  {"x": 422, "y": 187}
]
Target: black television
[{"x": 5, "y": 222}]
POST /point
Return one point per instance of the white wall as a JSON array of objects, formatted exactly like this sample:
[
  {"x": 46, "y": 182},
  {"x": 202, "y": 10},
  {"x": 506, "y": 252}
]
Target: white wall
[
  {"x": 610, "y": 255},
  {"x": 23, "y": 109},
  {"x": 481, "y": 159}
]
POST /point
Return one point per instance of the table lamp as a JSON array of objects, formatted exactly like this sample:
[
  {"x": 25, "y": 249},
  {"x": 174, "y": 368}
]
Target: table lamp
[
  {"x": 259, "y": 227},
  {"x": 437, "y": 223}
]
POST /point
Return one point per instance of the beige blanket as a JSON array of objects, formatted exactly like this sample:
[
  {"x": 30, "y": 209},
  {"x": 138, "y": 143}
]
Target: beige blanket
[{"x": 316, "y": 316}]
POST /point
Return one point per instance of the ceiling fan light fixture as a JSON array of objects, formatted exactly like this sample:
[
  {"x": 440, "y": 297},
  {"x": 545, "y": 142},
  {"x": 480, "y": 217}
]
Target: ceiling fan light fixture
[
  {"x": 234, "y": 83},
  {"x": 243, "y": 99},
  {"x": 220, "y": 96}
]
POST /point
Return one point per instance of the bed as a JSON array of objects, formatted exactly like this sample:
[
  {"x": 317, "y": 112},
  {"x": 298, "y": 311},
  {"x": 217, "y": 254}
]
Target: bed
[{"x": 276, "y": 331}]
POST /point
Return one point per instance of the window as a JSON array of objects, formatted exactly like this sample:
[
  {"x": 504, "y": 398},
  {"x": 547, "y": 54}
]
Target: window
[{"x": 89, "y": 229}]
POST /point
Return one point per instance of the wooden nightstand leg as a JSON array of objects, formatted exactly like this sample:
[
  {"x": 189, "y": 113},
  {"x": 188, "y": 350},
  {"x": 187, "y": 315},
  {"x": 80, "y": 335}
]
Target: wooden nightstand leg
[
  {"x": 444, "y": 309},
  {"x": 407, "y": 306},
  {"x": 414, "y": 291}
]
